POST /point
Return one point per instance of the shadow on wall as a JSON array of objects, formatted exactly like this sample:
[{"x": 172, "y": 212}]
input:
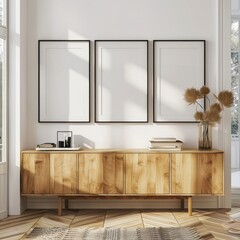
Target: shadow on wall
[{"x": 83, "y": 142}]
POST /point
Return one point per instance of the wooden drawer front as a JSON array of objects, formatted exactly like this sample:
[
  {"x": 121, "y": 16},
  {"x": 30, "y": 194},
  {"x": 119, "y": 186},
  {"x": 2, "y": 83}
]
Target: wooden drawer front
[
  {"x": 101, "y": 173},
  {"x": 35, "y": 173},
  {"x": 147, "y": 174},
  {"x": 63, "y": 173},
  {"x": 197, "y": 173}
]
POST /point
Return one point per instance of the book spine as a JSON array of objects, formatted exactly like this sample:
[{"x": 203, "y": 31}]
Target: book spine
[
  {"x": 166, "y": 144},
  {"x": 164, "y": 139},
  {"x": 165, "y": 149}
]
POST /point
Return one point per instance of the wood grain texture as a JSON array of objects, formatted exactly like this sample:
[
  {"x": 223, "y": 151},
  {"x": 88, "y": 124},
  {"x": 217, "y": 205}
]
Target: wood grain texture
[
  {"x": 122, "y": 173},
  {"x": 90, "y": 173},
  {"x": 197, "y": 173},
  {"x": 63, "y": 173},
  {"x": 35, "y": 173},
  {"x": 113, "y": 173},
  {"x": 89, "y": 218},
  {"x": 147, "y": 174},
  {"x": 101, "y": 173},
  {"x": 218, "y": 174},
  {"x": 209, "y": 224},
  {"x": 157, "y": 218},
  {"x": 184, "y": 173},
  {"x": 128, "y": 218}
]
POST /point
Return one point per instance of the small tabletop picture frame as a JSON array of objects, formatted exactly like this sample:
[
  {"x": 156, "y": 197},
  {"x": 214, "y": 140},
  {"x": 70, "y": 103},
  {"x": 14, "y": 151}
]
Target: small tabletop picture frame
[{"x": 64, "y": 139}]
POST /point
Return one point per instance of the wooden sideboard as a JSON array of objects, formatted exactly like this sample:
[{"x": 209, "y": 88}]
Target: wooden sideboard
[{"x": 122, "y": 174}]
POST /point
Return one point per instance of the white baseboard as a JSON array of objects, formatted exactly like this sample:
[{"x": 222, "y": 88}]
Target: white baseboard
[
  {"x": 3, "y": 214},
  {"x": 236, "y": 197},
  {"x": 51, "y": 203}
]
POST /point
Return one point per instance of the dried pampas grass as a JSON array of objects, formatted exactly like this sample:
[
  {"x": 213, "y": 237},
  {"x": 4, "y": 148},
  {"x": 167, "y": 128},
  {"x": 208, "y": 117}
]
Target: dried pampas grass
[
  {"x": 191, "y": 95},
  {"x": 226, "y": 98},
  {"x": 212, "y": 114}
]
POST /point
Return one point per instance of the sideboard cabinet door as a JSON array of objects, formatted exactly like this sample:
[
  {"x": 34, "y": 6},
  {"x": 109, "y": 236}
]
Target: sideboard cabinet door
[
  {"x": 35, "y": 174},
  {"x": 197, "y": 173},
  {"x": 147, "y": 174},
  {"x": 210, "y": 173},
  {"x": 63, "y": 173},
  {"x": 101, "y": 173}
]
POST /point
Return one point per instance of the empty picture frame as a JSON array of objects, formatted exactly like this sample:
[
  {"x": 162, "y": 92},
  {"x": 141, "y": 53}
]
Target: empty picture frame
[
  {"x": 63, "y": 81},
  {"x": 177, "y": 65},
  {"x": 121, "y": 81}
]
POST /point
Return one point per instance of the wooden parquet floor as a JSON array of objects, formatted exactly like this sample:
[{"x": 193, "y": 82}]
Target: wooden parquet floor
[{"x": 210, "y": 224}]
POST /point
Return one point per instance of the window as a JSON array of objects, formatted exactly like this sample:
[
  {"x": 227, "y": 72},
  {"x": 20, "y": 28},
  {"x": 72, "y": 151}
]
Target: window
[
  {"x": 235, "y": 162},
  {"x": 3, "y": 76},
  {"x": 3, "y": 110},
  {"x": 235, "y": 76},
  {"x": 3, "y": 12},
  {"x": 2, "y": 92}
]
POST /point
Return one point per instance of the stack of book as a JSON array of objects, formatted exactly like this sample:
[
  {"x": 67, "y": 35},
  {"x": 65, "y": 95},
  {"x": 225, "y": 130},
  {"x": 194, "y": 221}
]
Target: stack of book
[
  {"x": 165, "y": 144},
  {"x": 46, "y": 145}
]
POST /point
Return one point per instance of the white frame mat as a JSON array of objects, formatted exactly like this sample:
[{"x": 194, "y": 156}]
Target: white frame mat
[
  {"x": 177, "y": 65},
  {"x": 64, "y": 81},
  {"x": 121, "y": 81}
]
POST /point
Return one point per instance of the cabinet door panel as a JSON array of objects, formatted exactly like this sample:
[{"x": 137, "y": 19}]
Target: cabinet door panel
[
  {"x": 101, "y": 173},
  {"x": 63, "y": 173},
  {"x": 35, "y": 173},
  {"x": 147, "y": 173},
  {"x": 90, "y": 173},
  {"x": 197, "y": 173},
  {"x": 113, "y": 173},
  {"x": 210, "y": 173},
  {"x": 184, "y": 173}
]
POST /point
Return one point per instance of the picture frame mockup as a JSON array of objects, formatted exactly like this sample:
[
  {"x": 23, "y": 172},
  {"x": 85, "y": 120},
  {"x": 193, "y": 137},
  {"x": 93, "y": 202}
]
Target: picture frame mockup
[
  {"x": 64, "y": 81},
  {"x": 177, "y": 65},
  {"x": 121, "y": 81}
]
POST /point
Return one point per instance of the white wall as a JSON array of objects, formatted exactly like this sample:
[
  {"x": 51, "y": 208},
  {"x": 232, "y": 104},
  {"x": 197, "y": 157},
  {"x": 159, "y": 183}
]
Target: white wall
[{"x": 108, "y": 19}]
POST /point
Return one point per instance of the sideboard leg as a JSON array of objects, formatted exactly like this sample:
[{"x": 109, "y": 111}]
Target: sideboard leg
[
  {"x": 59, "y": 206},
  {"x": 190, "y": 206}
]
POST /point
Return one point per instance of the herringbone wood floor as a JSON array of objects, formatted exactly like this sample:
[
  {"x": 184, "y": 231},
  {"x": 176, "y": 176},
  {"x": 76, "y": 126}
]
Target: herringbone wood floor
[{"x": 210, "y": 224}]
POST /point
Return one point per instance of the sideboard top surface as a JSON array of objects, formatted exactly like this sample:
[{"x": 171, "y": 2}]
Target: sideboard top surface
[{"x": 84, "y": 151}]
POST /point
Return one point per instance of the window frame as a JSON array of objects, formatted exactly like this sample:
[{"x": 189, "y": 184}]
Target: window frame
[
  {"x": 234, "y": 18},
  {"x": 4, "y": 37},
  {"x": 4, "y": 13}
]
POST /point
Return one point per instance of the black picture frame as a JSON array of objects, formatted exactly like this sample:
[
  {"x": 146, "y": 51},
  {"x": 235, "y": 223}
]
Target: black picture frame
[
  {"x": 72, "y": 106},
  {"x": 180, "y": 113},
  {"x": 120, "y": 51}
]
